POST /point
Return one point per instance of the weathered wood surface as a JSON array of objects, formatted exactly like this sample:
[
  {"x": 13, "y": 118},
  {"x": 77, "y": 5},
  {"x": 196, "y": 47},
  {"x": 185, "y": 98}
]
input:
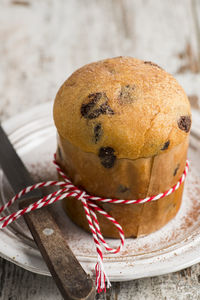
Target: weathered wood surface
[
  {"x": 42, "y": 42},
  {"x": 19, "y": 284}
]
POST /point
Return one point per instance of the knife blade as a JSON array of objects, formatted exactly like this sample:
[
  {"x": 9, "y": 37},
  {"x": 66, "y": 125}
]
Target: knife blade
[
  {"x": 71, "y": 279},
  {"x": 13, "y": 167}
]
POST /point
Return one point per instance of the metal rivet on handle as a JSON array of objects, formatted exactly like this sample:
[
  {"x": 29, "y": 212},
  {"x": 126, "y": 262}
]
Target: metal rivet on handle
[{"x": 48, "y": 231}]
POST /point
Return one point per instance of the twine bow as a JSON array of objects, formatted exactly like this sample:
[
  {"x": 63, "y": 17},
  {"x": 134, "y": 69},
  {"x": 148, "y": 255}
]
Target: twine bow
[{"x": 67, "y": 189}]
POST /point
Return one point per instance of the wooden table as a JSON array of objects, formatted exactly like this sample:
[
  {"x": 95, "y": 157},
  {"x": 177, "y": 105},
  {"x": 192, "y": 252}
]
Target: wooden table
[{"x": 42, "y": 42}]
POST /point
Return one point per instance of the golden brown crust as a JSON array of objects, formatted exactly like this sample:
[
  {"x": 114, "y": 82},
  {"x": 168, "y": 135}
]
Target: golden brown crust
[{"x": 133, "y": 107}]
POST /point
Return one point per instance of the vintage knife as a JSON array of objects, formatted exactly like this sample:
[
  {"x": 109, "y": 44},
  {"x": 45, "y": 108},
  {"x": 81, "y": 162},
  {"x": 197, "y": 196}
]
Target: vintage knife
[{"x": 71, "y": 279}]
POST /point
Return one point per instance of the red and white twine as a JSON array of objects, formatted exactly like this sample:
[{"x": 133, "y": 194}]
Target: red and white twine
[{"x": 67, "y": 189}]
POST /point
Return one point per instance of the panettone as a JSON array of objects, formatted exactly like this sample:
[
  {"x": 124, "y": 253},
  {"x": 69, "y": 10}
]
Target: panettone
[{"x": 123, "y": 127}]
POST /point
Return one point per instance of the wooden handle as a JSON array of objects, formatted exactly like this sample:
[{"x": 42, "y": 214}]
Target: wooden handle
[{"x": 67, "y": 272}]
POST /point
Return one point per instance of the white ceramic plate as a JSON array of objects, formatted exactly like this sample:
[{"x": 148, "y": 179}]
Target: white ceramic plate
[{"x": 174, "y": 247}]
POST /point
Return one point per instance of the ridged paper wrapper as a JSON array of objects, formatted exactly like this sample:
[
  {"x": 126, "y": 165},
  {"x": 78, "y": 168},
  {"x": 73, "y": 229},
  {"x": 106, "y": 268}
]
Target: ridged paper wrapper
[{"x": 127, "y": 179}]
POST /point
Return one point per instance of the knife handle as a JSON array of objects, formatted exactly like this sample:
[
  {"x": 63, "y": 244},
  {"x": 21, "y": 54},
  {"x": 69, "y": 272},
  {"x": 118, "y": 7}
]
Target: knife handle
[{"x": 69, "y": 276}]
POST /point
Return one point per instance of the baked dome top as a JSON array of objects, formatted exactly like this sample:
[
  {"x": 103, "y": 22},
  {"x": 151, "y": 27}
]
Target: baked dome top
[{"x": 125, "y": 105}]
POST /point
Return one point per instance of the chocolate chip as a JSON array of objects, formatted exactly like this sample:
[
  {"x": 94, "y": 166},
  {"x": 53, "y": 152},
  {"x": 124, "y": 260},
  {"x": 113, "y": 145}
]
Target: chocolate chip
[
  {"x": 106, "y": 109},
  {"x": 97, "y": 132},
  {"x": 85, "y": 108},
  {"x": 94, "y": 108},
  {"x": 122, "y": 188},
  {"x": 126, "y": 94},
  {"x": 94, "y": 114},
  {"x": 175, "y": 171},
  {"x": 166, "y": 145},
  {"x": 152, "y": 64},
  {"x": 107, "y": 157},
  {"x": 184, "y": 123}
]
